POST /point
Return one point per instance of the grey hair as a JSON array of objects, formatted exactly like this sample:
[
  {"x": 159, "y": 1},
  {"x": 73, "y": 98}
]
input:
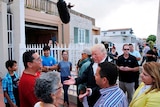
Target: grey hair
[{"x": 47, "y": 84}]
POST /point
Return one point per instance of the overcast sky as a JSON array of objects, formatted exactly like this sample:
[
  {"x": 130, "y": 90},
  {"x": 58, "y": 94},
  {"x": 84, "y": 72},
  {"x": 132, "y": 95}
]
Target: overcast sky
[{"x": 140, "y": 15}]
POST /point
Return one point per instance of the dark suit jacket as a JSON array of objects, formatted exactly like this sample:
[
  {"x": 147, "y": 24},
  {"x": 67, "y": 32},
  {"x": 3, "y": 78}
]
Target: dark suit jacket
[{"x": 89, "y": 78}]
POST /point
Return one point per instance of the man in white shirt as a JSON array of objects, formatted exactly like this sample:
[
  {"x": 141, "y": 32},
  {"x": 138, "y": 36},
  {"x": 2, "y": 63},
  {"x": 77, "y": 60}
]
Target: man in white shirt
[{"x": 145, "y": 50}]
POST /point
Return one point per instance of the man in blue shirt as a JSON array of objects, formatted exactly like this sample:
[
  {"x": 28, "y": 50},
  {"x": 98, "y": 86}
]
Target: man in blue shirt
[
  {"x": 111, "y": 94},
  {"x": 10, "y": 85},
  {"x": 48, "y": 62},
  {"x": 138, "y": 57}
]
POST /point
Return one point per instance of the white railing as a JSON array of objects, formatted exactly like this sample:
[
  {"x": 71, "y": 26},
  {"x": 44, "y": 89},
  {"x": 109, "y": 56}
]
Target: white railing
[
  {"x": 46, "y": 6},
  {"x": 74, "y": 50}
]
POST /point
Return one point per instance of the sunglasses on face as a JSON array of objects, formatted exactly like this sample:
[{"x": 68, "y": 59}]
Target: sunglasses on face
[{"x": 126, "y": 49}]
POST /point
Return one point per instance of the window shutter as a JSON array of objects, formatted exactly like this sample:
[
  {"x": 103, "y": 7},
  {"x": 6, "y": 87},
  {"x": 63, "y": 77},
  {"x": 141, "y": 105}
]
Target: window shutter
[
  {"x": 75, "y": 35},
  {"x": 86, "y": 36}
]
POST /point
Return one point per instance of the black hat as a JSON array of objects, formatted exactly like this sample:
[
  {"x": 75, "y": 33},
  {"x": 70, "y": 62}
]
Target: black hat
[{"x": 154, "y": 47}]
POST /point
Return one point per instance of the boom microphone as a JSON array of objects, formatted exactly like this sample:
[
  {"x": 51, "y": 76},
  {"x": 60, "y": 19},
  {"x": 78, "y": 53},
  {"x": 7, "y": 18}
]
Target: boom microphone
[{"x": 63, "y": 11}]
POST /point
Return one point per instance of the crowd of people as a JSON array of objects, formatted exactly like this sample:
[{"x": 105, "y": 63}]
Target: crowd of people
[{"x": 43, "y": 79}]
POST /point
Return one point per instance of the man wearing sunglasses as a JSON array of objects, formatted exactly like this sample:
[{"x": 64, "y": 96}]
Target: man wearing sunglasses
[{"x": 127, "y": 65}]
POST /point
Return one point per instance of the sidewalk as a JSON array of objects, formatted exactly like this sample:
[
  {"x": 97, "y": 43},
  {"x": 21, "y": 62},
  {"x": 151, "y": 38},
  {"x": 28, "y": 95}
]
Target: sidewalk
[{"x": 3, "y": 105}]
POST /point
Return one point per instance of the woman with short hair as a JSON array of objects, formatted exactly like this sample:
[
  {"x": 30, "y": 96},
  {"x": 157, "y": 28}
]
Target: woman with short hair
[{"x": 48, "y": 90}]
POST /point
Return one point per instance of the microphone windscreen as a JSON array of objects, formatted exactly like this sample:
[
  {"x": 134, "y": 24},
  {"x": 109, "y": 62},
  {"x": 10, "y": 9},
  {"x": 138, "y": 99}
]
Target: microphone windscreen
[{"x": 63, "y": 11}]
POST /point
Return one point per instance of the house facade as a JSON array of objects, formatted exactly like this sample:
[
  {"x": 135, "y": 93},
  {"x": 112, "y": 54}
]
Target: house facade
[
  {"x": 124, "y": 35},
  {"x": 36, "y": 22}
]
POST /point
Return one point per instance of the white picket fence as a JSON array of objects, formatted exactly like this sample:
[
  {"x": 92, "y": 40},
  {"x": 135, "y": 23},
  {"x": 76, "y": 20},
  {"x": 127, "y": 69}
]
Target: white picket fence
[{"x": 74, "y": 51}]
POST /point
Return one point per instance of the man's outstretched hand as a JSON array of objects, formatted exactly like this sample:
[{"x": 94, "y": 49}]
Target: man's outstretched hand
[{"x": 71, "y": 81}]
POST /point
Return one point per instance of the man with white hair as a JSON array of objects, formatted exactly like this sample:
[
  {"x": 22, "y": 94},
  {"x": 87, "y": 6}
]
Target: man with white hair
[{"x": 99, "y": 55}]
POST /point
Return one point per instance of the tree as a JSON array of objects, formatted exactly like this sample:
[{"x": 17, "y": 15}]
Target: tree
[{"x": 151, "y": 38}]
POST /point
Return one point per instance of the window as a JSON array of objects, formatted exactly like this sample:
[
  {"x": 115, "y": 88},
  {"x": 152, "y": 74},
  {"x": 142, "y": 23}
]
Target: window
[
  {"x": 123, "y": 32},
  {"x": 81, "y": 35},
  {"x": 105, "y": 33}
]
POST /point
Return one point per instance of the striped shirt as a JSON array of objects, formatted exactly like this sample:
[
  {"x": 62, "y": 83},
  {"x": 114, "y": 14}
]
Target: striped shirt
[{"x": 112, "y": 97}]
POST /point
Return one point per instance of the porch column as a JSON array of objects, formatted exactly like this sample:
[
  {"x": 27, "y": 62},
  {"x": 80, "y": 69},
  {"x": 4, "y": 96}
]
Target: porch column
[
  {"x": 158, "y": 30},
  {"x": 3, "y": 38},
  {"x": 17, "y": 8}
]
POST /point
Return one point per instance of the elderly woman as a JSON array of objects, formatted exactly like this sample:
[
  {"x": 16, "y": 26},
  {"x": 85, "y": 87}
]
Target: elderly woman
[
  {"x": 48, "y": 90},
  {"x": 148, "y": 93}
]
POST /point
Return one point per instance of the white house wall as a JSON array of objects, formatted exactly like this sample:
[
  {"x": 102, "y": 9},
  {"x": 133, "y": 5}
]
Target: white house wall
[
  {"x": 118, "y": 33},
  {"x": 17, "y": 8},
  {"x": 119, "y": 36},
  {"x": 3, "y": 38},
  {"x": 158, "y": 30},
  {"x": 117, "y": 39},
  {"x": 77, "y": 21}
]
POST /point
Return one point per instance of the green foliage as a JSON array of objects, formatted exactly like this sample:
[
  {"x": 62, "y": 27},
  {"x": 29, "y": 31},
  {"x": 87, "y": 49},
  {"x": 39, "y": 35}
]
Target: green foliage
[{"x": 151, "y": 38}]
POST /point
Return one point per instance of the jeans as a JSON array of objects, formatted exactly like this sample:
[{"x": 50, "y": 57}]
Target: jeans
[{"x": 65, "y": 89}]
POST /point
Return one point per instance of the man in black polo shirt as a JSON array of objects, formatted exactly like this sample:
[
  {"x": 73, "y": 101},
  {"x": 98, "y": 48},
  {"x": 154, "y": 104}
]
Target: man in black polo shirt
[{"x": 128, "y": 66}]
